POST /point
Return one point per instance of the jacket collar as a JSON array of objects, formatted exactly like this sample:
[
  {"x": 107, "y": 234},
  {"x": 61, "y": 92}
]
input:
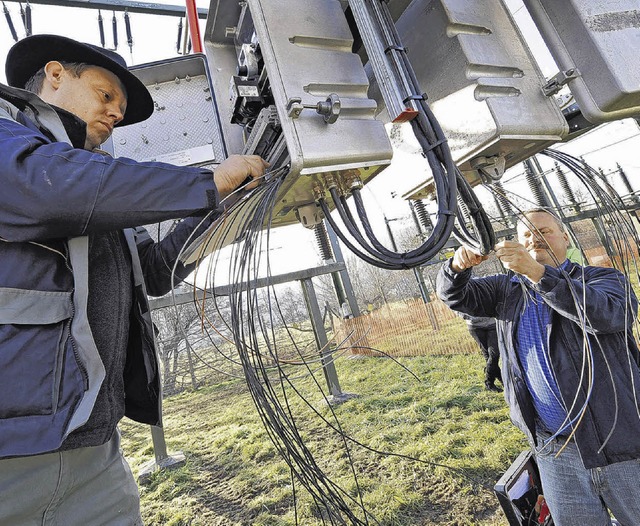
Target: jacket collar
[
  {"x": 75, "y": 127},
  {"x": 58, "y": 124}
]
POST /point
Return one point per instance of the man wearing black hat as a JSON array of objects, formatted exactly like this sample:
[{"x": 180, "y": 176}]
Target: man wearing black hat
[{"x": 76, "y": 340}]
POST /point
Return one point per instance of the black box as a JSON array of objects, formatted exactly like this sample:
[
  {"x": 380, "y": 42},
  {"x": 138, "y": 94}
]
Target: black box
[{"x": 518, "y": 490}]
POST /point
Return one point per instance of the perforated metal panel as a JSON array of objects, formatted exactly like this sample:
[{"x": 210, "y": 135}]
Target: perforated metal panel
[{"x": 184, "y": 128}]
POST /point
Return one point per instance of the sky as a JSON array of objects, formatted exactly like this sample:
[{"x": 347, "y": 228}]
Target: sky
[
  {"x": 82, "y": 24},
  {"x": 155, "y": 39}
]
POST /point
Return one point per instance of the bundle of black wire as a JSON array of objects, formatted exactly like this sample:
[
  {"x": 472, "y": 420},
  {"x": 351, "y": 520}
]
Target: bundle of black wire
[
  {"x": 250, "y": 318},
  {"x": 619, "y": 224},
  {"x": 447, "y": 178},
  {"x": 268, "y": 381}
]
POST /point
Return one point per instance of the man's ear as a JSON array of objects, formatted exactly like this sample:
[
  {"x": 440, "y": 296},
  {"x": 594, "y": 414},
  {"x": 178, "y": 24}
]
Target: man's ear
[{"x": 54, "y": 72}]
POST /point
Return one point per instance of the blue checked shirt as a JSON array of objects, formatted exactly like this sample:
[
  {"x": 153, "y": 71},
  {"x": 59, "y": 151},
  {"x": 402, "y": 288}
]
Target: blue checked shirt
[{"x": 533, "y": 351}]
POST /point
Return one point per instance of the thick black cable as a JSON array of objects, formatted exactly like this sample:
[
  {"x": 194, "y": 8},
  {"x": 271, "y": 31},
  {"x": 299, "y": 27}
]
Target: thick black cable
[{"x": 12, "y": 28}]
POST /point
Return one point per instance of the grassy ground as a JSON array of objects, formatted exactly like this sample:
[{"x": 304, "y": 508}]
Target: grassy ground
[{"x": 234, "y": 476}]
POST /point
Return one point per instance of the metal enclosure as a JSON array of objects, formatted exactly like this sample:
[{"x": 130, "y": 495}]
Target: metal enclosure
[
  {"x": 595, "y": 44},
  {"x": 481, "y": 81},
  {"x": 307, "y": 55},
  {"x": 184, "y": 128}
]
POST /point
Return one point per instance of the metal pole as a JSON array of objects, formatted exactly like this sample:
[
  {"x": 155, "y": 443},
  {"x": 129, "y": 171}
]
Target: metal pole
[
  {"x": 344, "y": 274},
  {"x": 393, "y": 241},
  {"x": 422, "y": 286},
  {"x": 417, "y": 271},
  {"x": 194, "y": 26},
  {"x": 328, "y": 366},
  {"x": 162, "y": 459},
  {"x": 132, "y": 6}
]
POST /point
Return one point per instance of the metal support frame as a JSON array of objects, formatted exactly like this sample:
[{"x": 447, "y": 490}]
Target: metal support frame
[
  {"x": 335, "y": 395},
  {"x": 121, "y": 5},
  {"x": 162, "y": 459},
  {"x": 304, "y": 276},
  {"x": 343, "y": 274}
]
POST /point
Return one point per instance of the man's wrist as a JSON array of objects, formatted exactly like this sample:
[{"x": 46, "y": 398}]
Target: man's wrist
[{"x": 536, "y": 273}]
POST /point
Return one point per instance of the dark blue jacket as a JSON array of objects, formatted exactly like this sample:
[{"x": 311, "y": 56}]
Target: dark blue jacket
[
  {"x": 53, "y": 196},
  {"x": 610, "y": 308}
]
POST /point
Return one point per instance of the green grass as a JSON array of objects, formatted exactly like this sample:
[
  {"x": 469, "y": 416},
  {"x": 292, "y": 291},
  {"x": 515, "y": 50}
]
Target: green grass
[{"x": 234, "y": 475}]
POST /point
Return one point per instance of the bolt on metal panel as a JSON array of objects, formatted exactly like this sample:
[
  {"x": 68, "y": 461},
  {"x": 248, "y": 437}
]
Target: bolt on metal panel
[
  {"x": 595, "y": 44},
  {"x": 481, "y": 81}
]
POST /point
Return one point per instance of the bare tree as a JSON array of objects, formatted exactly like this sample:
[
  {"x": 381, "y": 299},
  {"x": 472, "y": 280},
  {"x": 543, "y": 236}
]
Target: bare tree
[{"x": 173, "y": 327}]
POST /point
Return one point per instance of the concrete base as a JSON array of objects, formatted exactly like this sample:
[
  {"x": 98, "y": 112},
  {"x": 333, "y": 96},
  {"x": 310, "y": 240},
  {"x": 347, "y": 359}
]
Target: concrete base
[
  {"x": 170, "y": 462},
  {"x": 339, "y": 399}
]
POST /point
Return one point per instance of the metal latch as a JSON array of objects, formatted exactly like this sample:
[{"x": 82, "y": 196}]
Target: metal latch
[
  {"x": 329, "y": 108},
  {"x": 554, "y": 85}
]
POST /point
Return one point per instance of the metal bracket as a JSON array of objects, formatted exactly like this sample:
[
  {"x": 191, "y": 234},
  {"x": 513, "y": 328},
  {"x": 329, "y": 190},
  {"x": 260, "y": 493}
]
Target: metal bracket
[
  {"x": 309, "y": 215},
  {"x": 554, "y": 85},
  {"x": 491, "y": 169},
  {"x": 329, "y": 108}
]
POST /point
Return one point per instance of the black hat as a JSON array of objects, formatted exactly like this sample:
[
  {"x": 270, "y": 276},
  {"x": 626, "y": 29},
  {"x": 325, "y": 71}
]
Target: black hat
[{"x": 30, "y": 54}]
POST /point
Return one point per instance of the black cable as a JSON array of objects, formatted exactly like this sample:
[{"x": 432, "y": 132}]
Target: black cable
[
  {"x": 7, "y": 15},
  {"x": 101, "y": 28},
  {"x": 114, "y": 27},
  {"x": 444, "y": 172}
]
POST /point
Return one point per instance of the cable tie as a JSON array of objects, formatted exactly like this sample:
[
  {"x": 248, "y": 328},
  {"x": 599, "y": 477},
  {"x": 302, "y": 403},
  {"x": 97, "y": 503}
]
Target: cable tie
[
  {"x": 434, "y": 145},
  {"x": 446, "y": 213},
  {"x": 422, "y": 97},
  {"x": 395, "y": 47}
]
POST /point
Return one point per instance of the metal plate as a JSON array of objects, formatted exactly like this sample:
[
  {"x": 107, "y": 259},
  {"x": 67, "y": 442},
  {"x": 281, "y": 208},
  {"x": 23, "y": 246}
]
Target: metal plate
[
  {"x": 481, "y": 80},
  {"x": 600, "y": 39},
  {"x": 184, "y": 128}
]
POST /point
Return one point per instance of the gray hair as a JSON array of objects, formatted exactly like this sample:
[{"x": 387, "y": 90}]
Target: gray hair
[
  {"x": 36, "y": 82},
  {"x": 522, "y": 216}
]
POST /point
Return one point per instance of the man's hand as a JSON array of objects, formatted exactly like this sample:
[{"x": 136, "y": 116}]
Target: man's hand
[
  {"x": 235, "y": 169},
  {"x": 515, "y": 257},
  {"x": 465, "y": 258}
]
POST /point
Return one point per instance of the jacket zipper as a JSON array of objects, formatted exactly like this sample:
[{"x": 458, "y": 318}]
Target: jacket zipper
[{"x": 74, "y": 346}]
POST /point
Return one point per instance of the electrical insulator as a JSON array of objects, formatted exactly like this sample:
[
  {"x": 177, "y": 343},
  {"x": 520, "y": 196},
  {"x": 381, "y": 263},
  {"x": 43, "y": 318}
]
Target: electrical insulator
[
  {"x": 464, "y": 210},
  {"x": 503, "y": 202},
  {"x": 322, "y": 237},
  {"x": 179, "y": 40},
  {"x": 564, "y": 184},
  {"x": 27, "y": 20},
  {"x": 627, "y": 184},
  {"x": 114, "y": 25},
  {"x": 534, "y": 186},
  {"x": 101, "y": 28},
  {"x": 12, "y": 29},
  {"x": 423, "y": 216},
  {"x": 127, "y": 27}
]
